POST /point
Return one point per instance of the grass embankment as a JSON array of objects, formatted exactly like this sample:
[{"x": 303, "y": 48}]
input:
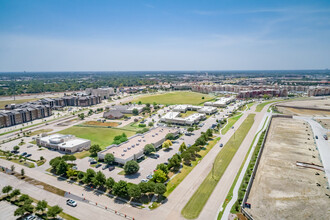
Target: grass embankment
[
  {"x": 231, "y": 122},
  {"x": 172, "y": 98},
  {"x": 196, "y": 203},
  {"x": 262, "y": 105},
  {"x": 230, "y": 193},
  {"x": 39, "y": 132},
  {"x": 178, "y": 178},
  {"x": 101, "y": 136}
]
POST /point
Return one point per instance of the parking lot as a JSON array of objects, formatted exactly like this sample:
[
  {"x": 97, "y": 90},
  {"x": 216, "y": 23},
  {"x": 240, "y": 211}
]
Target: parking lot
[{"x": 7, "y": 210}]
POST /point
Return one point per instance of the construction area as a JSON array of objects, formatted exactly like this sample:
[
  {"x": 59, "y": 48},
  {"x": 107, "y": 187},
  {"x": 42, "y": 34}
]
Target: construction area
[
  {"x": 312, "y": 107},
  {"x": 289, "y": 182}
]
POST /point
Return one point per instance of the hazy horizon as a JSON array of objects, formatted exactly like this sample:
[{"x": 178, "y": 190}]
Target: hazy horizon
[{"x": 64, "y": 36}]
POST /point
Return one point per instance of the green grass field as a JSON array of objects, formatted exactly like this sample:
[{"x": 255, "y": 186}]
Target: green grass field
[
  {"x": 101, "y": 136},
  {"x": 196, "y": 203},
  {"x": 231, "y": 122},
  {"x": 4, "y": 103},
  {"x": 173, "y": 98}
]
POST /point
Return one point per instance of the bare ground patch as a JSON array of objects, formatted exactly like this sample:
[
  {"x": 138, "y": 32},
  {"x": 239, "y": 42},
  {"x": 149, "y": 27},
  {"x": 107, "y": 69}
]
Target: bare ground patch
[{"x": 282, "y": 190}]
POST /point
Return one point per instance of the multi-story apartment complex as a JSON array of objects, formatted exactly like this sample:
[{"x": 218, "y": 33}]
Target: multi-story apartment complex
[{"x": 23, "y": 113}]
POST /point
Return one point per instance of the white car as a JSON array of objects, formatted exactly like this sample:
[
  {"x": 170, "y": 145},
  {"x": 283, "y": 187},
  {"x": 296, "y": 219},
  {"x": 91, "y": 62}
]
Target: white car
[
  {"x": 144, "y": 181},
  {"x": 71, "y": 202}
]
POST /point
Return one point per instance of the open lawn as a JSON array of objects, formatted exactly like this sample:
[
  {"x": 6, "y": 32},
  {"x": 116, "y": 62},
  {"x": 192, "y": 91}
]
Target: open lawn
[
  {"x": 97, "y": 135},
  {"x": 231, "y": 122},
  {"x": 39, "y": 132},
  {"x": 177, "y": 179},
  {"x": 196, "y": 203},
  {"x": 4, "y": 103},
  {"x": 173, "y": 98}
]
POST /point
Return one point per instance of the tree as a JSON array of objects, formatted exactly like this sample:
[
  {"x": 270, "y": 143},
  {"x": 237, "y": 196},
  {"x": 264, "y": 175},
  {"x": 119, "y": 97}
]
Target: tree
[
  {"x": 90, "y": 173},
  {"x": 175, "y": 162},
  {"x": 149, "y": 148},
  {"x": 94, "y": 149},
  {"x": 15, "y": 193},
  {"x": 144, "y": 187},
  {"x": 7, "y": 189},
  {"x": 54, "y": 211},
  {"x": 139, "y": 103},
  {"x": 81, "y": 116},
  {"x": 151, "y": 186},
  {"x": 110, "y": 183},
  {"x": 162, "y": 167},
  {"x": 24, "y": 198},
  {"x": 54, "y": 162},
  {"x": 61, "y": 168},
  {"x": 131, "y": 167},
  {"x": 203, "y": 97},
  {"x": 69, "y": 157},
  {"x": 109, "y": 158},
  {"x": 19, "y": 211},
  {"x": 160, "y": 188},
  {"x": 71, "y": 173},
  {"x": 165, "y": 145},
  {"x": 41, "y": 206},
  {"x": 150, "y": 124},
  {"x": 135, "y": 111},
  {"x": 16, "y": 148},
  {"x": 159, "y": 176},
  {"x": 12, "y": 168},
  {"x": 182, "y": 147},
  {"x": 120, "y": 188},
  {"x": 190, "y": 129},
  {"x": 134, "y": 191},
  {"x": 209, "y": 132},
  {"x": 99, "y": 179},
  {"x": 80, "y": 175},
  {"x": 169, "y": 136}
]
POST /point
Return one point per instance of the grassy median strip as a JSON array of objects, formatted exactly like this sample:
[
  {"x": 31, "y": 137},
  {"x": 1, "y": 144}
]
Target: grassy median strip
[
  {"x": 231, "y": 122},
  {"x": 177, "y": 179},
  {"x": 221, "y": 162},
  {"x": 262, "y": 105}
]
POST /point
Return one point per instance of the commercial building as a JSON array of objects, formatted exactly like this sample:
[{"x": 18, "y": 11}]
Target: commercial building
[
  {"x": 174, "y": 118},
  {"x": 201, "y": 109},
  {"x": 127, "y": 109},
  {"x": 103, "y": 92},
  {"x": 222, "y": 102},
  {"x": 113, "y": 114},
  {"x": 133, "y": 149},
  {"x": 64, "y": 143}
]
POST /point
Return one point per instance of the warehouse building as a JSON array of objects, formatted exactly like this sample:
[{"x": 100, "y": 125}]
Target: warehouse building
[
  {"x": 222, "y": 102},
  {"x": 174, "y": 118},
  {"x": 133, "y": 149}
]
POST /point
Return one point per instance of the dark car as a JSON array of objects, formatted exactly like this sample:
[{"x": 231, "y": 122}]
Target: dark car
[
  {"x": 98, "y": 165},
  {"x": 28, "y": 155},
  {"x": 316, "y": 137},
  {"x": 221, "y": 145},
  {"x": 23, "y": 154},
  {"x": 93, "y": 162},
  {"x": 111, "y": 168}
]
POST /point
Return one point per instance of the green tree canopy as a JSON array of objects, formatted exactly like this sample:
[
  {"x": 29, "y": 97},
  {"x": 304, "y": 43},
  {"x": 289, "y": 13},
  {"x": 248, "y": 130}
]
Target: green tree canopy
[{"x": 131, "y": 167}]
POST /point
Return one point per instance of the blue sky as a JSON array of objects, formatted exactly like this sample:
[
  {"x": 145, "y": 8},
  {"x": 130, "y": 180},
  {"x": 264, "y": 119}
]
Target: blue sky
[{"x": 62, "y": 35}]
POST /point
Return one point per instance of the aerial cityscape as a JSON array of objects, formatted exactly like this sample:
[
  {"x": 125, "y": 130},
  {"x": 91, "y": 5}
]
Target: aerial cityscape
[{"x": 143, "y": 110}]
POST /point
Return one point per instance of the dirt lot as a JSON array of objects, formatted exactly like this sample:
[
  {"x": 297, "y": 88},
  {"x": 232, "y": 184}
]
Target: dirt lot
[
  {"x": 321, "y": 104},
  {"x": 282, "y": 190},
  {"x": 324, "y": 122}
]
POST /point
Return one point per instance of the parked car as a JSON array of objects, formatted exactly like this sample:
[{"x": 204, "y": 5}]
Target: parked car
[
  {"x": 93, "y": 162},
  {"x": 316, "y": 137},
  {"x": 71, "y": 202},
  {"x": 149, "y": 177},
  {"x": 157, "y": 155},
  {"x": 75, "y": 168},
  {"x": 166, "y": 163},
  {"x": 28, "y": 155},
  {"x": 23, "y": 154},
  {"x": 111, "y": 168},
  {"x": 30, "y": 217},
  {"x": 105, "y": 167},
  {"x": 98, "y": 165},
  {"x": 90, "y": 159},
  {"x": 221, "y": 145},
  {"x": 144, "y": 181}
]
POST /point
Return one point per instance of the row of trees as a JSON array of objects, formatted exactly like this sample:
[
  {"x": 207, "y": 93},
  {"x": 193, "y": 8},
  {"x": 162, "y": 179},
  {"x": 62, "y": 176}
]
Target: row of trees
[
  {"x": 24, "y": 203},
  {"x": 59, "y": 164}
]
